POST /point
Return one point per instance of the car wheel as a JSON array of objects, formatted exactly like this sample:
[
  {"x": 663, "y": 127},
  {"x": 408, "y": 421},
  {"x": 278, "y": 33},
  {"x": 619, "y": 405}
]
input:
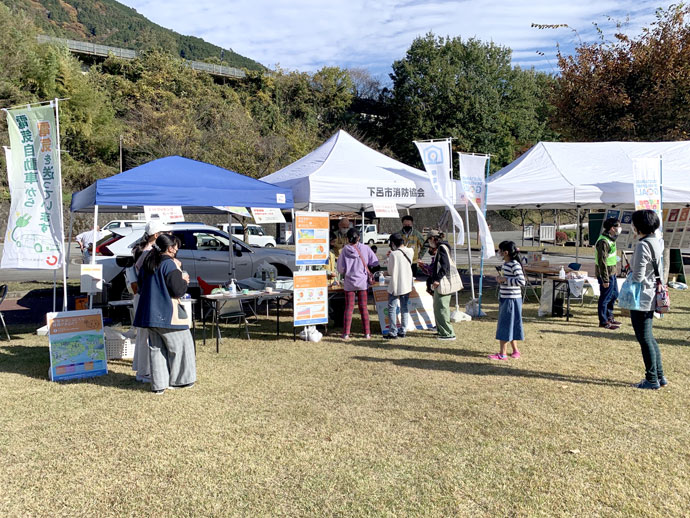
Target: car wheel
[
  {"x": 283, "y": 271},
  {"x": 269, "y": 245},
  {"x": 370, "y": 242}
]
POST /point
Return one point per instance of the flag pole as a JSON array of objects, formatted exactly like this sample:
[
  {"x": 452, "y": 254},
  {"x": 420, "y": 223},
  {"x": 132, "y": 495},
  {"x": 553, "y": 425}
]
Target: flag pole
[
  {"x": 481, "y": 260},
  {"x": 455, "y": 242},
  {"x": 65, "y": 246}
]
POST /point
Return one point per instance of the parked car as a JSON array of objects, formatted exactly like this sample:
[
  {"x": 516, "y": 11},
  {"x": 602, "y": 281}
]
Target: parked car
[
  {"x": 255, "y": 234},
  {"x": 123, "y": 223},
  {"x": 371, "y": 235},
  {"x": 204, "y": 253}
]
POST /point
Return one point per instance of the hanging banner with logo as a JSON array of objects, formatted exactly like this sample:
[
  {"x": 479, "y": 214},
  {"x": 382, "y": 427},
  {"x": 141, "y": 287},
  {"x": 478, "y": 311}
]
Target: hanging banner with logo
[
  {"x": 267, "y": 215},
  {"x": 647, "y": 184},
  {"x": 436, "y": 159},
  {"x": 77, "y": 346},
  {"x": 472, "y": 179},
  {"x": 34, "y": 235}
]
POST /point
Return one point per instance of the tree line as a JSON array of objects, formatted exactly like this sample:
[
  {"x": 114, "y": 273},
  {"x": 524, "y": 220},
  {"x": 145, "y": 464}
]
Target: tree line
[{"x": 627, "y": 89}]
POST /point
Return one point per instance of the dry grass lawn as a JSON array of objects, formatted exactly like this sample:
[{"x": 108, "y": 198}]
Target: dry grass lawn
[{"x": 360, "y": 428}]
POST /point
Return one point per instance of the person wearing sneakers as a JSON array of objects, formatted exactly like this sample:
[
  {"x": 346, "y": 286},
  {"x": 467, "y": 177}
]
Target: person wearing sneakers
[
  {"x": 355, "y": 263},
  {"x": 509, "y": 329},
  {"x": 606, "y": 263},
  {"x": 400, "y": 284},
  {"x": 441, "y": 269},
  {"x": 645, "y": 268}
]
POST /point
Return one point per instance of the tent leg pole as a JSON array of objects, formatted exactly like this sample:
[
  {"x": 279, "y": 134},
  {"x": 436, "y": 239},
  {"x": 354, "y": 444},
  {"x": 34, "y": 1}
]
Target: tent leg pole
[
  {"x": 469, "y": 249},
  {"x": 67, "y": 259},
  {"x": 231, "y": 248},
  {"x": 54, "y": 289},
  {"x": 577, "y": 242},
  {"x": 93, "y": 247}
]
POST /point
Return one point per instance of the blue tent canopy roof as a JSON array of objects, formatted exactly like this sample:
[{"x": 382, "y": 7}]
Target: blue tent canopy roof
[{"x": 195, "y": 186}]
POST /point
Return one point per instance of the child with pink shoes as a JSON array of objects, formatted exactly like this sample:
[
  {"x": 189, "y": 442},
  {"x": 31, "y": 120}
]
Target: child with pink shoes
[{"x": 512, "y": 278}]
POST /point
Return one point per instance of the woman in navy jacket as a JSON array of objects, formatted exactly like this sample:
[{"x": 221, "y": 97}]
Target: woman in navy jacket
[{"x": 161, "y": 284}]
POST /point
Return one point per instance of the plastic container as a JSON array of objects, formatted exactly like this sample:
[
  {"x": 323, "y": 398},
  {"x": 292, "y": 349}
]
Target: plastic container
[
  {"x": 232, "y": 288},
  {"x": 561, "y": 273}
]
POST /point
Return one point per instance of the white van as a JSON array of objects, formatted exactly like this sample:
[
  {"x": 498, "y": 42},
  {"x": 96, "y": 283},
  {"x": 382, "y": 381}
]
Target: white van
[
  {"x": 121, "y": 223},
  {"x": 255, "y": 234}
]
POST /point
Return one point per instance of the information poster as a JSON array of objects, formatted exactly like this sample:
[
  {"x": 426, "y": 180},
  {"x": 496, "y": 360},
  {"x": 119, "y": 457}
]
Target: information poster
[
  {"x": 240, "y": 211},
  {"x": 311, "y": 243},
  {"x": 310, "y": 298},
  {"x": 166, "y": 213},
  {"x": 626, "y": 239},
  {"x": 673, "y": 234},
  {"x": 267, "y": 215},
  {"x": 684, "y": 226},
  {"x": 77, "y": 346},
  {"x": 420, "y": 306}
]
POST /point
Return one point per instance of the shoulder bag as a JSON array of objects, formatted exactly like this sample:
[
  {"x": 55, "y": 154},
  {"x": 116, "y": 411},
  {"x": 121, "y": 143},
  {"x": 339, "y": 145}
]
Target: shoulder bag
[
  {"x": 662, "y": 301},
  {"x": 451, "y": 282}
]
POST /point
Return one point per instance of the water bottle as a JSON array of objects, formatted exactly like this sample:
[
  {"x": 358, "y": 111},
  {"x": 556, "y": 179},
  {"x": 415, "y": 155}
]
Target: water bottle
[
  {"x": 232, "y": 288},
  {"x": 382, "y": 280},
  {"x": 561, "y": 273}
]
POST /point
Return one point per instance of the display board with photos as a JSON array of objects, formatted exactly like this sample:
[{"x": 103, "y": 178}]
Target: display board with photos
[{"x": 675, "y": 224}]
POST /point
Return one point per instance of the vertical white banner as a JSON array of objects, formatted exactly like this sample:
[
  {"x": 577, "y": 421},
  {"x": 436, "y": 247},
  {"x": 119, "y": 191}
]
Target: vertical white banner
[
  {"x": 33, "y": 239},
  {"x": 473, "y": 181},
  {"x": 647, "y": 184},
  {"x": 436, "y": 158}
]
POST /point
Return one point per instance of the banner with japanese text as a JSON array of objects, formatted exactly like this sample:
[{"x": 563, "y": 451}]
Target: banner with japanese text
[
  {"x": 436, "y": 158},
  {"x": 34, "y": 235},
  {"x": 473, "y": 181},
  {"x": 647, "y": 184}
]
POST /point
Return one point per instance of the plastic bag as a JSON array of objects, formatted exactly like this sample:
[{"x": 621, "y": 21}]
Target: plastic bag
[
  {"x": 629, "y": 296},
  {"x": 311, "y": 334},
  {"x": 459, "y": 316},
  {"x": 472, "y": 309}
]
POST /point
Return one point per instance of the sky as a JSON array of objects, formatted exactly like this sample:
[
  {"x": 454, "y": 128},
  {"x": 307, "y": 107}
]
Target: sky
[{"x": 307, "y": 35}]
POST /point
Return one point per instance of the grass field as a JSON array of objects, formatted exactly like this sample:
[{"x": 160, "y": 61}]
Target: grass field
[{"x": 360, "y": 428}]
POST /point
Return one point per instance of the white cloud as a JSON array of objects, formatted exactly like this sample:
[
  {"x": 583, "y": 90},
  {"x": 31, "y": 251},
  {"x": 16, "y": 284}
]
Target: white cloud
[{"x": 308, "y": 34}]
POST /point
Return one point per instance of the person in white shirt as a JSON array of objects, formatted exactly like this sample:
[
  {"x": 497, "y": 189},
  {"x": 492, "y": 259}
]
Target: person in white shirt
[
  {"x": 85, "y": 240},
  {"x": 400, "y": 284}
]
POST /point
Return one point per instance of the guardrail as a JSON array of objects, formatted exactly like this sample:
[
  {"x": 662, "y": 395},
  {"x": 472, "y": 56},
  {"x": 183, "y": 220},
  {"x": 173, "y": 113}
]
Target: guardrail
[{"x": 83, "y": 47}]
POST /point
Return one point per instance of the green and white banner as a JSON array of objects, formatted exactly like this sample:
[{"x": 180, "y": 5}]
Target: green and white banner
[{"x": 34, "y": 235}]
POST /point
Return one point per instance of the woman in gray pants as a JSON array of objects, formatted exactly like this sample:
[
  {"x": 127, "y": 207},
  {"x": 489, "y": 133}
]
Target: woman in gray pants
[
  {"x": 161, "y": 283},
  {"x": 647, "y": 253}
]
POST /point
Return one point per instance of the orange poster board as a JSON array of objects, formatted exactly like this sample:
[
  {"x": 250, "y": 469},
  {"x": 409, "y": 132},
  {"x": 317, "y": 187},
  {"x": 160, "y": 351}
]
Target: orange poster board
[{"x": 310, "y": 298}]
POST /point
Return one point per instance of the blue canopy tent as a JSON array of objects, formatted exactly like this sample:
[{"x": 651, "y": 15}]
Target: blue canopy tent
[{"x": 195, "y": 186}]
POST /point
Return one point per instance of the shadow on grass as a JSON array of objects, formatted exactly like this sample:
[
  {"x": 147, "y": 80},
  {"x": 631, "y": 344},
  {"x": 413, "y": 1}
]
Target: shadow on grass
[
  {"x": 34, "y": 362},
  {"x": 628, "y": 335},
  {"x": 401, "y": 346},
  {"x": 490, "y": 369}
]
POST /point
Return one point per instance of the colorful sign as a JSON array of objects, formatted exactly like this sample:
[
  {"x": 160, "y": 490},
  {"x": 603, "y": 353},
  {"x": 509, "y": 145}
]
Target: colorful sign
[
  {"x": 384, "y": 209},
  {"x": 311, "y": 240},
  {"x": 310, "y": 298},
  {"x": 420, "y": 306},
  {"x": 267, "y": 215},
  {"x": 34, "y": 235},
  {"x": 627, "y": 238},
  {"x": 77, "y": 346},
  {"x": 166, "y": 213},
  {"x": 646, "y": 184}
]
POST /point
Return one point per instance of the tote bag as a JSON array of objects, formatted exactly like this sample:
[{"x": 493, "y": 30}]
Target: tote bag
[
  {"x": 451, "y": 282},
  {"x": 629, "y": 296}
]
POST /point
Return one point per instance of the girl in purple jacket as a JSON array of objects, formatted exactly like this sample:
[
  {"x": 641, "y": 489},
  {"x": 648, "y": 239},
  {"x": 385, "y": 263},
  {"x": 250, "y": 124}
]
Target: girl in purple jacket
[{"x": 354, "y": 262}]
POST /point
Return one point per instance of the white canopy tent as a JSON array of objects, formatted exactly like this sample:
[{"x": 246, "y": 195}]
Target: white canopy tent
[
  {"x": 588, "y": 174},
  {"x": 345, "y": 175}
]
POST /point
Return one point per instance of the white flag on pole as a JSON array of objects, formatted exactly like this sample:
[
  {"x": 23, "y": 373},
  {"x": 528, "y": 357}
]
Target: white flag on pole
[
  {"x": 436, "y": 158},
  {"x": 473, "y": 181}
]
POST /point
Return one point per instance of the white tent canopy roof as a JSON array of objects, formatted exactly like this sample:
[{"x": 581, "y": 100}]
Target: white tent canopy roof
[
  {"x": 588, "y": 174},
  {"x": 345, "y": 175}
]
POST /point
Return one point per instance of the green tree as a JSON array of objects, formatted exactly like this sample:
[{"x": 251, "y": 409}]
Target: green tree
[
  {"x": 629, "y": 88},
  {"x": 447, "y": 87}
]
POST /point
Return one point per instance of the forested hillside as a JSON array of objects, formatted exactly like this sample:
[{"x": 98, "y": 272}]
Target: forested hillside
[{"x": 111, "y": 23}]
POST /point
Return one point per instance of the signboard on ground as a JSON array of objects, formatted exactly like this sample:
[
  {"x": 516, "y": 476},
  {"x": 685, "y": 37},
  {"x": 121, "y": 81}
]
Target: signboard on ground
[
  {"x": 311, "y": 238},
  {"x": 310, "y": 298},
  {"x": 420, "y": 306},
  {"x": 77, "y": 346}
]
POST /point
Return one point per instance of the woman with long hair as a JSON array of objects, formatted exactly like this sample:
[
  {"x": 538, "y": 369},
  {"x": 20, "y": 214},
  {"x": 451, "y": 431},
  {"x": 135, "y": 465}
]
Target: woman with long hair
[{"x": 171, "y": 348}]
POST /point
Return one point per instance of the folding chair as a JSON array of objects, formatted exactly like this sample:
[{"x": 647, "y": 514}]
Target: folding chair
[{"x": 3, "y": 294}]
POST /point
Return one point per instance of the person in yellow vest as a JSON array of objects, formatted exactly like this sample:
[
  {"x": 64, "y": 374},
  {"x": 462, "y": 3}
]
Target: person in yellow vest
[
  {"x": 341, "y": 236},
  {"x": 606, "y": 263},
  {"x": 413, "y": 239}
]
